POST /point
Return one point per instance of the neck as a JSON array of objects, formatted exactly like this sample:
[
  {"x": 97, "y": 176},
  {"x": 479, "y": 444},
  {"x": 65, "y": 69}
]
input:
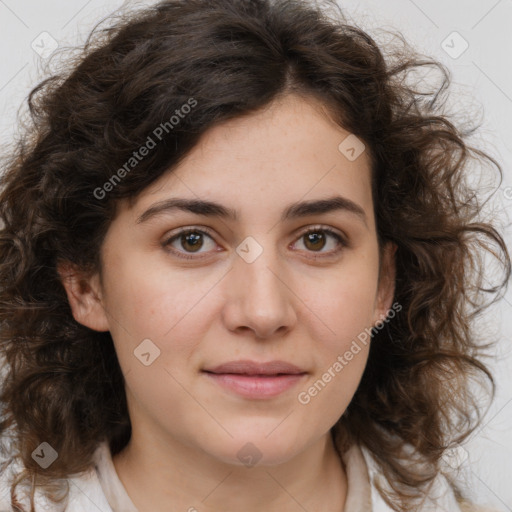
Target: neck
[{"x": 157, "y": 475}]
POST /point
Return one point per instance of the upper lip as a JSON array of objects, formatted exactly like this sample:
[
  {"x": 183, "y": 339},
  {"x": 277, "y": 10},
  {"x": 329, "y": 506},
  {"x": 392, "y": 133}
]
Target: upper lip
[{"x": 247, "y": 367}]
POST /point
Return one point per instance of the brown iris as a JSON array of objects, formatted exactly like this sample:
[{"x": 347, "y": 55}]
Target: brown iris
[
  {"x": 193, "y": 239},
  {"x": 315, "y": 238}
]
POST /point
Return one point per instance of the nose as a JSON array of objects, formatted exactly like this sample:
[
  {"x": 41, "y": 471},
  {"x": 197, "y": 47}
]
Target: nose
[{"x": 260, "y": 297}]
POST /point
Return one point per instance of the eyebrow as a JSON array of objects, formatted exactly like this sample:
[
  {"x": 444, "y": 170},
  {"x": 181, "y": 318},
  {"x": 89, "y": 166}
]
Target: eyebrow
[{"x": 293, "y": 211}]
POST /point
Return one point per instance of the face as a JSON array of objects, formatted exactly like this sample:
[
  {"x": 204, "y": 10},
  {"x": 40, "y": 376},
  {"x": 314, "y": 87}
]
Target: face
[{"x": 262, "y": 278}]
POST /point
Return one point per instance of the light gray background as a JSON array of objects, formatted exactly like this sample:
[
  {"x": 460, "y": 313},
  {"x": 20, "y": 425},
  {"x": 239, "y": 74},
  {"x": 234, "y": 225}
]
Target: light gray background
[{"x": 482, "y": 87}]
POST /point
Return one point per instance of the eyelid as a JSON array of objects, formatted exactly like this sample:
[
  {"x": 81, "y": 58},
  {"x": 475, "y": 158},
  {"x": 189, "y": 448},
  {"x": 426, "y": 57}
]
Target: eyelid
[
  {"x": 341, "y": 238},
  {"x": 328, "y": 229}
]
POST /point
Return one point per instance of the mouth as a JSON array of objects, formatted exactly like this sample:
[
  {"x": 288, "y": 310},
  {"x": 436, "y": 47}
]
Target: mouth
[{"x": 255, "y": 380}]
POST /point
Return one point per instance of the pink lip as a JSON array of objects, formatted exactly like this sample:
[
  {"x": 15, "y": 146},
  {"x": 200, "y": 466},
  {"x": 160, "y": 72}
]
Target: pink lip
[
  {"x": 256, "y": 380},
  {"x": 248, "y": 367},
  {"x": 251, "y": 386}
]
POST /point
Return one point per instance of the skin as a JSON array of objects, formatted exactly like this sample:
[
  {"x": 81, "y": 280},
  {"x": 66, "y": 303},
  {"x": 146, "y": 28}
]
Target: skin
[{"x": 186, "y": 429}]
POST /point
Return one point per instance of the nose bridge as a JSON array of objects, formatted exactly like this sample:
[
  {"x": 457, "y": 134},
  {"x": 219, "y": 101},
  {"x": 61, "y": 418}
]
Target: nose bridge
[
  {"x": 259, "y": 297},
  {"x": 258, "y": 268}
]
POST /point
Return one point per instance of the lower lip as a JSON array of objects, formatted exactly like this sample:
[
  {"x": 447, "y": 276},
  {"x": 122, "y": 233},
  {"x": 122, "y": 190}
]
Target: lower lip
[{"x": 256, "y": 386}]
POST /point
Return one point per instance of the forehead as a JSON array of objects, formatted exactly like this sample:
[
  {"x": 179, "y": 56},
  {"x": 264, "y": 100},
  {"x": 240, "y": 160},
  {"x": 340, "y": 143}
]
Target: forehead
[{"x": 288, "y": 151}]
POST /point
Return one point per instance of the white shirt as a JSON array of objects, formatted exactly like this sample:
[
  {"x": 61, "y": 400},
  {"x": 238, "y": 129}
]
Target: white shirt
[{"x": 100, "y": 489}]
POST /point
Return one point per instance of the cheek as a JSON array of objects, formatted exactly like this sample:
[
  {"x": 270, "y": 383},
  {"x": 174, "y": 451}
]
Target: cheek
[
  {"x": 152, "y": 298},
  {"x": 347, "y": 311},
  {"x": 341, "y": 350},
  {"x": 341, "y": 330},
  {"x": 326, "y": 396},
  {"x": 343, "y": 305},
  {"x": 169, "y": 307}
]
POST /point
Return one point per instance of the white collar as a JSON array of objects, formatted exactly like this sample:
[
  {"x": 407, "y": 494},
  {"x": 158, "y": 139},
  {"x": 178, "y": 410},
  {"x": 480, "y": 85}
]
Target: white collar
[{"x": 440, "y": 498}]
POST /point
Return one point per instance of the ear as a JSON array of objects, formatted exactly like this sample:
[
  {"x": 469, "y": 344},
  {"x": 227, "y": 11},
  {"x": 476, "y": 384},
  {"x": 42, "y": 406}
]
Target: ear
[
  {"x": 84, "y": 296},
  {"x": 386, "y": 286}
]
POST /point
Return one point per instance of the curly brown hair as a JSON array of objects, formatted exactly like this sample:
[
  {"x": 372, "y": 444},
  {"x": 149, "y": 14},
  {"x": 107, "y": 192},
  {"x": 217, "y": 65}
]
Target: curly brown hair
[{"x": 63, "y": 383}]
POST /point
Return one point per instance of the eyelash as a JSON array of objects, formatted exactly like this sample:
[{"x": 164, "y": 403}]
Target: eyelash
[{"x": 315, "y": 229}]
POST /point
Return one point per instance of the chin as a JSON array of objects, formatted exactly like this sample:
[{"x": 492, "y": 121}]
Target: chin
[{"x": 251, "y": 448}]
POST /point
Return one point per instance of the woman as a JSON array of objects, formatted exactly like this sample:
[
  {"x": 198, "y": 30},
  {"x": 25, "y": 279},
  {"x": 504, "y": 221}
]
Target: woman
[{"x": 240, "y": 271}]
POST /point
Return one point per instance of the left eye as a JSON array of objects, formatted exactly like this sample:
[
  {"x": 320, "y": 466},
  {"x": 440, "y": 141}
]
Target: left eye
[
  {"x": 191, "y": 240},
  {"x": 316, "y": 239}
]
